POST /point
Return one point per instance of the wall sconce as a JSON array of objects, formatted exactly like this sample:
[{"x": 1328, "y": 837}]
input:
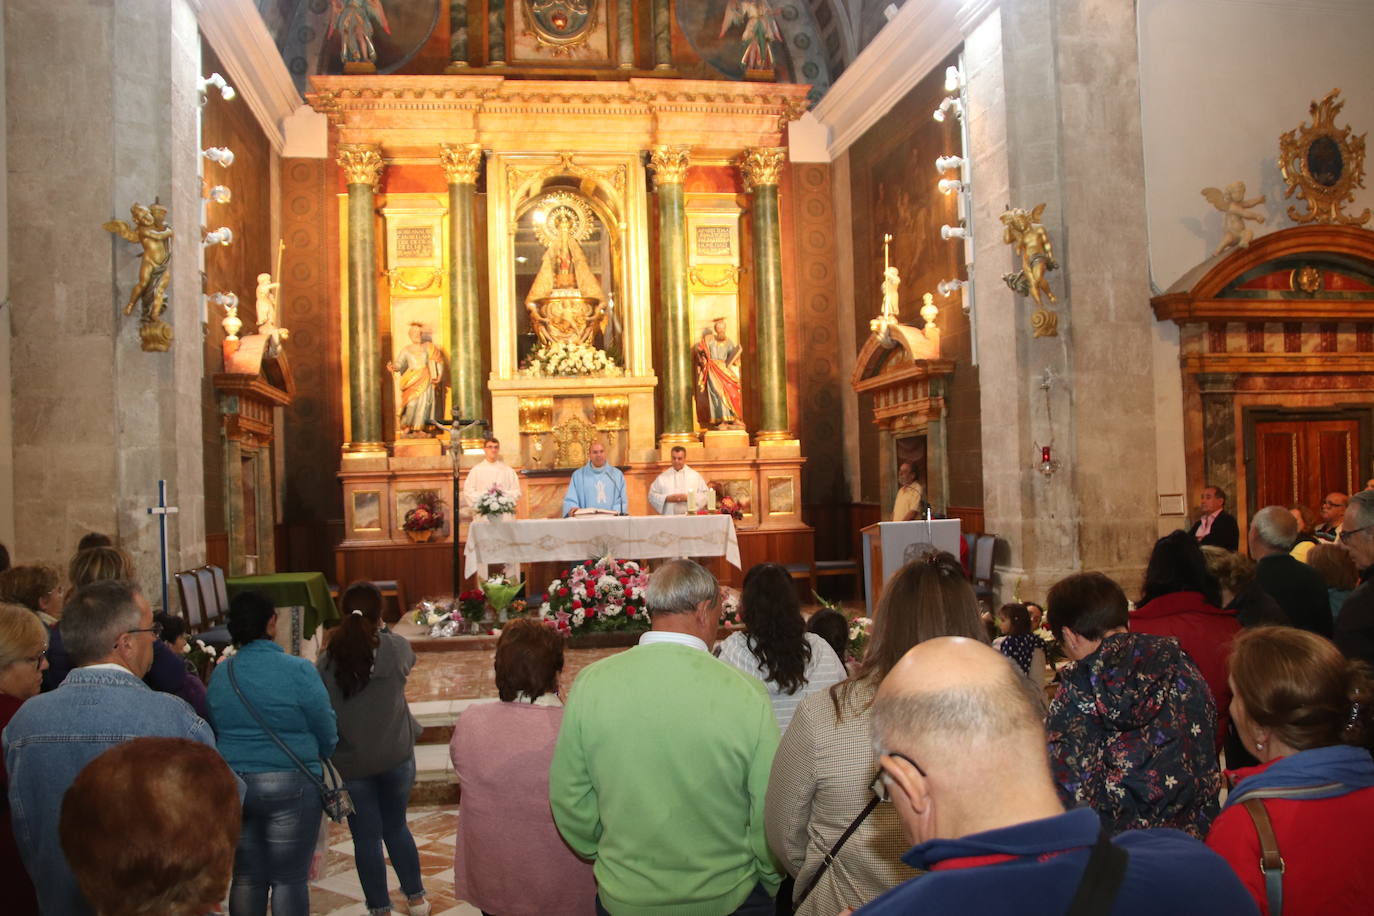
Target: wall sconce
[
  {"x": 948, "y": 288},
  {"x": 948, "y": 232},
  {"x": 948, "y": 163},
  {"x": 951, "y": 105},
  {"x": 221, "y": 236},
  {"x": 950, "y": 185},
  {"x": 219, "y": 194},
  {"x": 1048, "y": 463},
  {"x": 225, "y": 90},
  {"x": 220, "y": 155},
  {"x": 954, "y": 80}
]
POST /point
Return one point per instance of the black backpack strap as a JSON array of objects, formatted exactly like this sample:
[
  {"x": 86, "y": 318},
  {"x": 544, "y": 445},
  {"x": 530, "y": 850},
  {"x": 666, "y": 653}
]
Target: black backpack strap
[{"x": 1101, "y": 880}]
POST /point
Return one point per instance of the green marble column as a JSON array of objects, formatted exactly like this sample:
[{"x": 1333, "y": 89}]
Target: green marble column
[
  {"x": 496, "y": 33},
  {"x": 362, "y": 165},
  {"x": 663, "y": 36},
  {"x": 457, "y": 36},
  {"x": 762, "y": 168},
  {"x": 670, "y": 168},
  {"x": 462, "y": 165}
]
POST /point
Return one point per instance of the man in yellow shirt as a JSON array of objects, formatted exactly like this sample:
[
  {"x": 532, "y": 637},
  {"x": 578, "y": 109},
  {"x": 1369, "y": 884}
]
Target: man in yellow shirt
[{"x": 910, "y": 496}]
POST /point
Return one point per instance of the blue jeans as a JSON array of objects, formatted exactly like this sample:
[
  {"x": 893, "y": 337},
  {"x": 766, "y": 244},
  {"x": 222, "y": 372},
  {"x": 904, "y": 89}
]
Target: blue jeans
[
  {"x": 281, "y": 822},
  {"x": 379, "y": 817}
]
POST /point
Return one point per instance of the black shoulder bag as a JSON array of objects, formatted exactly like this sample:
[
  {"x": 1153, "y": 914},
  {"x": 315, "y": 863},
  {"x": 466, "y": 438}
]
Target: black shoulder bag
[
  {"x": 338, "y": 804},
  {"x": 1101, "y": 880}
]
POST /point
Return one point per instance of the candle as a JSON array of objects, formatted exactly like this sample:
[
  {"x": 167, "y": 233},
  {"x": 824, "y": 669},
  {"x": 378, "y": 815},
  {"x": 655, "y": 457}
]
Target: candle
[
  {"x": 711, "y": 499},
  {"x": 691, "y": 501}
]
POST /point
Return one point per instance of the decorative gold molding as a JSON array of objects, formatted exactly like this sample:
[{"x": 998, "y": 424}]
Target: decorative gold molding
[
  {"x": 1323, "y": 165},
  {"x": 611, "y": 411},
  {"x": 361, "y": 162},
  {"x": 715, "y": 276},
  {"x": 669, "y": 164},
  {"x": 521, "y": 181},
  {"x": 763, "y": 166},
  {"x": 536, "y": 415},
  {"x": 461, "y": 163}
]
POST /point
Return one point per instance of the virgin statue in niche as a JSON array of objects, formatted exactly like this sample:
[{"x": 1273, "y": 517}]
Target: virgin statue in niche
[{"x": 566, "y": 302}]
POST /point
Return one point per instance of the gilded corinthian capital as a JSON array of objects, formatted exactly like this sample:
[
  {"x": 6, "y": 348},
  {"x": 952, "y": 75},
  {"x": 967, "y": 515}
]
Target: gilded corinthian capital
[
  {"x": 669, "y": 164},
  {"x": 762, "y": 166},
  {"x": 461, "y": 163},
  {"x": 361, "y": 162}
]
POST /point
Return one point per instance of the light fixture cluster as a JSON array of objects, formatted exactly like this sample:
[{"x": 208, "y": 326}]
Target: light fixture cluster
[
  {"x": 214, "y": 80},
  {"x": 223, "y": 157},
  {"x": 954, "y": 181}
]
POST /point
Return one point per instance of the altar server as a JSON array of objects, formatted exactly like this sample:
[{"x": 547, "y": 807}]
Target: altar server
[
  {"x": 488, "y": 473},
  {"x": 596, "y": 485},
  {"x": 679, "y": 489}
]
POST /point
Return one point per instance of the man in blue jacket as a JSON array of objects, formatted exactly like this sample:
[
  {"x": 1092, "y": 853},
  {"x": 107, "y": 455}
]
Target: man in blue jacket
[
  {"x": 109, "y": 632},
  {"x": 962, "y": 760}
]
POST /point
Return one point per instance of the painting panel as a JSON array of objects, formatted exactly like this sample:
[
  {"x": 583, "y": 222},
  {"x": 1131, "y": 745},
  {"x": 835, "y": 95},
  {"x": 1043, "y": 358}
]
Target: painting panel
[{"x": 367, "y": 510}]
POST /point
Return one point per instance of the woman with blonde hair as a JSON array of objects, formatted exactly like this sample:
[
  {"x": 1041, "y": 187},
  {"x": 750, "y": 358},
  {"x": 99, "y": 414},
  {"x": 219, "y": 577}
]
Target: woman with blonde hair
[
  {"x": 825, "y": 762},
  {"x": 23, "y": 650},
  {"x": 1298, "y": 828}
]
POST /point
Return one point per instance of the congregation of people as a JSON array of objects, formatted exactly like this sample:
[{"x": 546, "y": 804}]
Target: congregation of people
[{"x": 1200, "y": 747}]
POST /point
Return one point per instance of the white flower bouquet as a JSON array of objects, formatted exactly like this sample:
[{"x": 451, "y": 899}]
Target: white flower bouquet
[
  {"x": 495, "y": 502},
  {"x": 567, "y": 358}
]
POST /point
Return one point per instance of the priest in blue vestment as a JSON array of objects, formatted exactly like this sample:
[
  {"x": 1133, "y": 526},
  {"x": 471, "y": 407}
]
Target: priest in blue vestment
[{"x": 596, "y": 485}]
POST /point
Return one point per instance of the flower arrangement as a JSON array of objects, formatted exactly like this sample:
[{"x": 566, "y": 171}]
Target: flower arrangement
[
  {"x": 445, "y": 617},
  {"x": 860, "y": 628},
  {"x": 597, "y": 596},
  {"x": 729, "y": 609},
  {"x": 495, "y": 502},
  {"x": 568, "y": 358},
  {"x": 428, "y": 513},
  {"x": 475, "y": 610}
]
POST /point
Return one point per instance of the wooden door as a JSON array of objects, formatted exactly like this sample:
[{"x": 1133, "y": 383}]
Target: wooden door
[{"x": 1300, "y": 461}]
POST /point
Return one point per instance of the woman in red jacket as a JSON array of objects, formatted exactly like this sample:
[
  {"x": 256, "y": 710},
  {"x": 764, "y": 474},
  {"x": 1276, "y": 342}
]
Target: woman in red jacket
[
  {"x": 1181, "y": 599},
  {"x": 1303, "y": 708}
]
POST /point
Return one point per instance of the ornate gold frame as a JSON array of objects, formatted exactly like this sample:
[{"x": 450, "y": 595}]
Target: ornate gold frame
[{"x": 1325, "y": 201}]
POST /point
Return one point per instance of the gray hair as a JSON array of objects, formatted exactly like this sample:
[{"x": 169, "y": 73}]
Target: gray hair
[
  {"x": 1275, "y": 527},
  {"x": 987, "y": 712},
  {"x": 678, "y": 586},
  {"x": 96, "y": 616},
  {"x": 1362, "y": 505}
]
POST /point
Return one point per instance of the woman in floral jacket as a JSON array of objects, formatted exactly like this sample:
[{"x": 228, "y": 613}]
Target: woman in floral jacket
[{"x": 1131, "y": 732}]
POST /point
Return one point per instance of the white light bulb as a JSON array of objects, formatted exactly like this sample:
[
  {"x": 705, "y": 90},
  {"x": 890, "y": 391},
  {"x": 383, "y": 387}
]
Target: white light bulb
[
  {"x": 950, "y": 185},
  {"x": 953, "y": 79},
  {"x": 221, "y": 155},
  {"x": 948, "y": 232},
  {"x": 948, "y": 163},
  {"x": 221, "y": 194}
]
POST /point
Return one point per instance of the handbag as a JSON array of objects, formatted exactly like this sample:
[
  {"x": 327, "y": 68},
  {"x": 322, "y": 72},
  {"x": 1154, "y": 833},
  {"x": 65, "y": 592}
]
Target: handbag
[
  {"x": 835, "y": 851},
  {"x": 1271, "y": 863},
  {"x": 338, "y": 804},
  {"x": 1102, "y": 877}
]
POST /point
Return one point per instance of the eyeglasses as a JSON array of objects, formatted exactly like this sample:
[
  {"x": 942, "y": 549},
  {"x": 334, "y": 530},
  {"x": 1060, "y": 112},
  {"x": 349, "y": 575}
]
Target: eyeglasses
[
  {"x": 155, "y": 629},
  {"x": 37, "y": 660},
  {"x": 879, "y": 786},
  {"x": 1329, "y": 503},
  {"x": 1344, "y": 535}
]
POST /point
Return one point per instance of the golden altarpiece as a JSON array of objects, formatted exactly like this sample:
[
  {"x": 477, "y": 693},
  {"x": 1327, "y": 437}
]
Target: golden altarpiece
[{"x": 485, "y": 222}]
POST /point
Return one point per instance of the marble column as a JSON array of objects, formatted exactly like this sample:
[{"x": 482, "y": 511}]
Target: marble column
[
  {"x": 1218, "y": 391},
  {"x": 663, "y": 36},
  {"x": 625, "y": 36},
  {"x": 462, "y": 164},
  {"x": 762, "y": 168},
  {"x": 496, "y": 33},
  {"x": 670, "y": 168},
  {"x": 362, "y": 165},
  {"x": 457, "y": 36}
]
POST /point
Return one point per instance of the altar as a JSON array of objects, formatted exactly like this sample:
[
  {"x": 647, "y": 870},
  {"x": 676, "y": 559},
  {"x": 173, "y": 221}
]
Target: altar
[
  {"x": 629, "y": 537},
  {"x": 555, "y": 264}
]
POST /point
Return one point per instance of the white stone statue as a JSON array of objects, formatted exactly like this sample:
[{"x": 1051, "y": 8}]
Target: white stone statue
[{"x": 1231, "y": 201}]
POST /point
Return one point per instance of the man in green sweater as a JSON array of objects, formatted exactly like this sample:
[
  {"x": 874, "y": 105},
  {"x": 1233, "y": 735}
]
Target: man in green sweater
[{"x": 662, "y": 765}]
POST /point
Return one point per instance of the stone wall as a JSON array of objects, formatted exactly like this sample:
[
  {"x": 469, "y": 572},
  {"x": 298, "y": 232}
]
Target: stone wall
[{"x": 90, "y": 129}]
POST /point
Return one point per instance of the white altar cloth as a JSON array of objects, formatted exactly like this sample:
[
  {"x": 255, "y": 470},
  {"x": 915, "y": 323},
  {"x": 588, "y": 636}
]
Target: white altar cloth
[{"x": 628, "y": 537}]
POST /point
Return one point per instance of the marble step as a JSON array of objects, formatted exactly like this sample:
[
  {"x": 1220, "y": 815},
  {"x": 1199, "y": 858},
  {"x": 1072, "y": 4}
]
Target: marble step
[{"x": 435, "y": 783}]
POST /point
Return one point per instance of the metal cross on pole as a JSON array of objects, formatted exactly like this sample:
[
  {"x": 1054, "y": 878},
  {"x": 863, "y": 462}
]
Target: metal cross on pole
[{"x": 162, "y": 510}]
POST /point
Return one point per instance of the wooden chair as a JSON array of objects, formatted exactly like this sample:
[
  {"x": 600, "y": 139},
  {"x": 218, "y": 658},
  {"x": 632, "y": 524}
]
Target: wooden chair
[
  {"x": 220, "y": 587},
  {"x": 209, "y": 595},
  {"x": 390, "y": 588},
  {"x": 826, "y": 568},
  {"x": 192, "y": 608},
  {"x": 982, "y": 568}
]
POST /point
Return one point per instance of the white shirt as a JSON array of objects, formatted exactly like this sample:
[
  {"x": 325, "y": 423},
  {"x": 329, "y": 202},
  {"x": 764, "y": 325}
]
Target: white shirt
[
  {"x": 677, "y": 639},
  {"x": 673, "y": 481},
  {"x": 487, "y": 474},
  {"x": 824, "y": 669}
]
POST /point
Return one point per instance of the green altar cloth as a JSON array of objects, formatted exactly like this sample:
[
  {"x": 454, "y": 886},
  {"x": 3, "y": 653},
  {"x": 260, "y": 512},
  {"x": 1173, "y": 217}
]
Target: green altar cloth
[{"x": 307, "y": 590}]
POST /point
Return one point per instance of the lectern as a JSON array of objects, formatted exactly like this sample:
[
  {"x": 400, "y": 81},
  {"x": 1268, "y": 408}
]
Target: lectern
[{"x": 886, "y": 546}]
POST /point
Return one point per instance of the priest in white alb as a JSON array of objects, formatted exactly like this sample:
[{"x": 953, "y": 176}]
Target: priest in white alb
[
  {"x": 490, "y": 472},
  {"x": 597, "y": 485},
  {"x": 679, "y": 489}
]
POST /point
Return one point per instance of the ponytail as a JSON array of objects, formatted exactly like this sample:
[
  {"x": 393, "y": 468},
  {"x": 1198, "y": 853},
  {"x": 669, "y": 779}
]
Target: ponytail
[{"x": 354, "y": 641}]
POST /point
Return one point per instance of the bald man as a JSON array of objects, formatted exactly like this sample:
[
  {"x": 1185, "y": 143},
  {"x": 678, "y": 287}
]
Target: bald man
[{"x": 962, "y": 761}]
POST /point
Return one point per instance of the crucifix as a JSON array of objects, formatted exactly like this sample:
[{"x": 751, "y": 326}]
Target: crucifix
[{"x": 162, "y": 510}]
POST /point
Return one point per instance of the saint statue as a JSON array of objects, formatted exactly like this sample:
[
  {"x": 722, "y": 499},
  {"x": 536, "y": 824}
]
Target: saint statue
[
  {"x": 352, "y": 19},
  {"x": 719, "y": 400},
  {"x": 759, "y": 30},
  {"x": 566, "y": 301},
  {"x": 420, "y": 366}
]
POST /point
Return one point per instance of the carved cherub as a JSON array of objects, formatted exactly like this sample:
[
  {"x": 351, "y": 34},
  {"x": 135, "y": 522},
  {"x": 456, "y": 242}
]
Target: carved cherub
[
  {"x": 1028, "y": 238},
  {"x": 1231, "y": 201},
  {"x": 150, "y": 230}
]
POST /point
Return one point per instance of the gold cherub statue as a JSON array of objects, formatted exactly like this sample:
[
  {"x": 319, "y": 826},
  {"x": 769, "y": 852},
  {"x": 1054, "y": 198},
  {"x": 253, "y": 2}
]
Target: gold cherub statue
[
  {"x": 1231, "y": 201},
  {"x": 1028, "y": 238},
  {"x": 150, "y": 230}
]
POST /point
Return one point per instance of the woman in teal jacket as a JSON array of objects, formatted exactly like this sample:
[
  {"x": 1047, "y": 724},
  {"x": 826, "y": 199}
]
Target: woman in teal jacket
[{"x": 282, "y": 807}]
